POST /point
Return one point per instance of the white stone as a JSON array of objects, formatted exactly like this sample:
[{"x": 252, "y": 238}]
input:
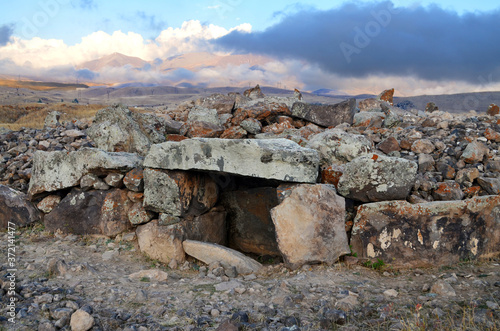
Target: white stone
[
  {"x": 209, "y": 253},
  {"x": 153, "y": 275},
  {"x": 391, "y": 293},
  {"x": 81, "y": 321}
]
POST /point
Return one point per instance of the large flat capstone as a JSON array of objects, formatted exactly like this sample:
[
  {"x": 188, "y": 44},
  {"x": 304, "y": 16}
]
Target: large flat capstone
[
  {"x": 279, "y": 159},
  {"x": 53, "y": 171}
]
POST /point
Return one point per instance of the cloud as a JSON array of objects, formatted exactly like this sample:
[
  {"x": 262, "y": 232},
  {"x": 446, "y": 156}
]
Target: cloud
[
  {"x": 6, "y": 31},
  {"x": 362, "y": 40},
  {"x": 192, "y": 36}
]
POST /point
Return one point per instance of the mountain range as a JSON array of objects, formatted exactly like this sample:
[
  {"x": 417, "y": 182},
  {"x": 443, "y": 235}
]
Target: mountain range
[{"x": 190, "y": 61}]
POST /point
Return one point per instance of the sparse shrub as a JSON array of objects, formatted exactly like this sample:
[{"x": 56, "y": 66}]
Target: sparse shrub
[{"x": 375, "y": 265}]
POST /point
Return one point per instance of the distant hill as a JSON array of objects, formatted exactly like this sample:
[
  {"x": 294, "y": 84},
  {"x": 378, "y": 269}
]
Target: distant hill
[
  {"x": 455, "y": 103},
  {"x": 40, "y": 86},
  {"x": 199, "y": 60},
  {"x": 115, "y": 60}
]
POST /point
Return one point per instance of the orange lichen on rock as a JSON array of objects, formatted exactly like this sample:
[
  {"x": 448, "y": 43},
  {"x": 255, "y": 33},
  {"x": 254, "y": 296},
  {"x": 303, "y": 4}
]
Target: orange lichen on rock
[
  {"x": 387, "y": 95},
  {"x": 332, "y": 175},
  {"x": 492, "y": 135}
]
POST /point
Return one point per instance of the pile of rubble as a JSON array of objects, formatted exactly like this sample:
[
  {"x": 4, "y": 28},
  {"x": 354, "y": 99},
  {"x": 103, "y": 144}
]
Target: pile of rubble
[{"x": 266, "y": 176}]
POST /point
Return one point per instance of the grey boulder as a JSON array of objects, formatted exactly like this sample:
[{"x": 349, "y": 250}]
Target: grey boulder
[
  {"x": 57, "y": 170},
  {"x": 372, "y": 177},
  {"x": 326, "y": 115},
  {"x": 15, "y": 208},
  {"x": 279, "y": 159}
]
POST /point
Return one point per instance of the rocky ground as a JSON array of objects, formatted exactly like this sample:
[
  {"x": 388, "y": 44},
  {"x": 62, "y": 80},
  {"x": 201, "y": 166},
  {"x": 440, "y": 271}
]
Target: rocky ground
[
  {"x": 66, "y": 281},
  {"x": 58, "y": 275}
]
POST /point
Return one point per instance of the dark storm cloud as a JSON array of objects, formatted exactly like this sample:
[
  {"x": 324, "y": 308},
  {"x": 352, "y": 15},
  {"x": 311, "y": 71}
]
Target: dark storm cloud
[
  {"x": 6, "y": 31},
  {"x": 378, "y": 38}
]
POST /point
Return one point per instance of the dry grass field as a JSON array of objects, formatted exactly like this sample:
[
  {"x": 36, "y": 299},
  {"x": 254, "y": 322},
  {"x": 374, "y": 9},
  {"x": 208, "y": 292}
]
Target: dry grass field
[
  {"x": 39, "y": 86},
  {"x": 32, "y": 115}
]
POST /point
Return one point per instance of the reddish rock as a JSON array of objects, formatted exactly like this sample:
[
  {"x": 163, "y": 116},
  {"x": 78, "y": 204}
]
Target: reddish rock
[
  {"x": 309, "y": 130},
  {"x": 261, "y": 112},
  {"x": 427, "y": 234},
  {"x": 446, "y": 170},
  {"x": 134, "y": 180},
  {"x": 332, "y": 174},
  {"x": 448, "y": 191},
  {"x": 297, "y": 94},
  {"x": 428, "y": 123},
  {"x": 492, "y": 135},
  {"x": 48, "y": 203},
  {"x": 474, "y": 152},
  {"x": 251, "y": 228},
  {"x": 278, "y": 128},
  {"x": 298, "y": 123},
  {"x": 114, "y": 213},
  {"x": 92, "y": 212},
  {"x": 135, "y": 196},
  {"x": 471, "y": 192},
  {"x": 201, "y": 129},
  {"x": 405, "y": 144},
  {"x": 493, "y": 110},
  {"x": 387, "y": 95},
  {"x": 239, "y": 116},
  {"x": 389, "y": 145},
  {"x": 176, "y": 137},
  {"x": 254, "y": 93},
  {"x": 234, "y": 132},
  {"x": 431, "y": 107}
]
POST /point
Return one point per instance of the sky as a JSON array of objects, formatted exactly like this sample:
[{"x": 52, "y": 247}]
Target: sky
[{"x": 417, "y": 47}]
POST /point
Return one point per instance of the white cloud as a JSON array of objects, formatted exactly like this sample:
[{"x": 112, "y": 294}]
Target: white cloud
[{"x": 192, "y": 36}]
